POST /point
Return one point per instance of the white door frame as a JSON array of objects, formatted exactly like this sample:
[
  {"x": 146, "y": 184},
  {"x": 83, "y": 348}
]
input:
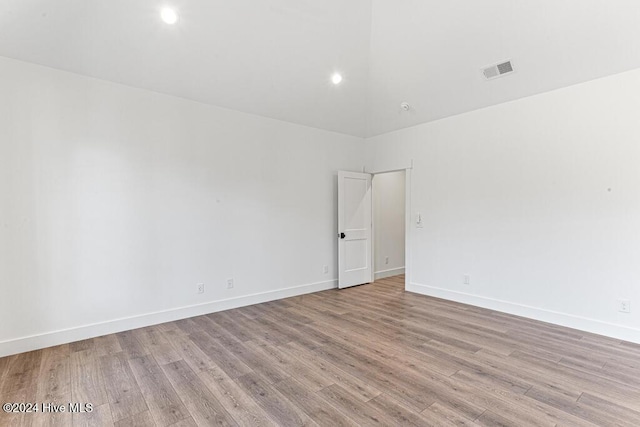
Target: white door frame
[{"x": 407, "y": 224}]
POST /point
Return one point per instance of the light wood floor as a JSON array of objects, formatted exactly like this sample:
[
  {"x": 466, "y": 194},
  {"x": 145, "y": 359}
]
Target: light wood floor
[{"x": 368, "y": 355}]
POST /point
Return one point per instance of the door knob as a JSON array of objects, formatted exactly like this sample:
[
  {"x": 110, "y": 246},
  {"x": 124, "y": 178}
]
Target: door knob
[{"x": 342, "y": 235}]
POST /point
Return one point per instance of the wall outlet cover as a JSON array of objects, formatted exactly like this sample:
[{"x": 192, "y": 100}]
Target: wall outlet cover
[{"x": 624, "y": 306}]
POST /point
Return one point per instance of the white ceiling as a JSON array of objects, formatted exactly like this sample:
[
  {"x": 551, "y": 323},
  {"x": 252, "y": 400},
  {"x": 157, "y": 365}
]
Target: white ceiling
[
  {"x": 268, "y": 57},
  {"x": 430, "y": 53},
  {"x": 275, "y": 57}
]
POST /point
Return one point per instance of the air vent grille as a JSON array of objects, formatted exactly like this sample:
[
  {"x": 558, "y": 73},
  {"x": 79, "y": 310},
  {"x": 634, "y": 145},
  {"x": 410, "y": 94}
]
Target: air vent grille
[{"x": 498, "y": 70}]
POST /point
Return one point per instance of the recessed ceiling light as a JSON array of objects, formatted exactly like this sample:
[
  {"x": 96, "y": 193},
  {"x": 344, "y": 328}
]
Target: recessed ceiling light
[
  {"x": 169, "y": 16},
  {"x": 336, "y": 78}
]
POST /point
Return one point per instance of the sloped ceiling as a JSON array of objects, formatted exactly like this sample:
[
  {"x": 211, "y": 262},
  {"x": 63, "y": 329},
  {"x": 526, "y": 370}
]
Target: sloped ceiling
[
  {"x": 430, "y": 53},
  {"x": 275, "y": 57},
  {"x": 268, "y": 57}
]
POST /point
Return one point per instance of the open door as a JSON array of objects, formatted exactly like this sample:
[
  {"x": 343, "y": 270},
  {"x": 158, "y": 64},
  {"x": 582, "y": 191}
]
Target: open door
[{"x": 354, "y": 229}]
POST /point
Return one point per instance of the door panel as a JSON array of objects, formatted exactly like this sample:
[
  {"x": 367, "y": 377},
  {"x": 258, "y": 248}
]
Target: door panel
[
  {"x": 355, "y": 255},
  {"x": 354, "y": 223}
]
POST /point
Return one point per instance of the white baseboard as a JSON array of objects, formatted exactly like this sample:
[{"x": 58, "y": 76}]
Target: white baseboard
[
  {"x": 64, "y": 336},
  {"x": 612, "y": 330},
  {"x": 388, "y": 273}
]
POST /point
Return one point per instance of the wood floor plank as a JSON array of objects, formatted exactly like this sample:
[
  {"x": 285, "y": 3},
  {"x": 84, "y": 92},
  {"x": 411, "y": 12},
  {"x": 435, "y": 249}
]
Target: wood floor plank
[
  {"x": 130, "y": 345},
  {"x": 292, "y": 330},
  {"x": 405, "y": 386},
  {"x": 491, "y": 419},
  {"x": 233, "y": 366},
  {"x": 519, "y": 401},
  {"x": 283, "y": 411},
  {"x": 334, "y": 307},
  {"x": 249, "y": 312},
  {"x": 230, "y": 321},
  {"x": 123, "y": 392},
  {"x": 82, "y": 345},
  {"x": 397, "y": 384},
  {"x": 87, "y": 382},
  {"x": 607, "y": 406},
  {"x": 621, "y": 373},
  {"x": 4, "y": 367},
  {"x": 163, "y": 402},
  {"x": 311, "y": 379},
  {"x": 517, "y": 406},
  {"x": 264, "y": 330},
  {"x": 288, "y": 313},
  {"x": 20, "y": 385},
  {"x": 529, "y": 374},
  {"x": 170, "y": 327},
  {"x": 400, "y": 414},
  {"x": 187, "y": 422},
  {"x": 361, "y": 413},
  {"x": 141, "y": 419},
  {"x": 623, "y": 394},
  {"x": 441, "y": 415},
  {"x": 54, "y": 386},
  {"x": 189, "y": 351},
  {"x": 188, "y": 326},
  {"x": 205, "y": 409},
  {"x": 589, "y": 413},
  {"x": 99, "y": 417},
  {"x": 356, "y": 386},
  {"x": 412, "y": 338},
  {"x": 372, "y": 354},
  {"x": 374, "y": 345},
  {"x": 22, "y": 371},
  {"x": 238, "y": 403},
  {"x": 54, "y": 383},
  {"x": 318, "y": 409},
  {"x": 156, "y": 344},
  {"x": 107, "y": 344},
  {"x": 495, "y": 380},
  {"x": 266, "y": 367},
  {"x": 431, "y": 332}
]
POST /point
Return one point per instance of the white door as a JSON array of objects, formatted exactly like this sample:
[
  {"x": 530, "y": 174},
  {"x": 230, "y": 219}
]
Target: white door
[{"x": 354, "y": 229}]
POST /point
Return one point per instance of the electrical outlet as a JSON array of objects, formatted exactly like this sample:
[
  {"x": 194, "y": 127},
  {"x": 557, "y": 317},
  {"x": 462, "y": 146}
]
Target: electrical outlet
[
  {"x": 624, "y": 306},
  {"x": 229, "y": 283},
  {"x": 200, "y": 288},
  {"x": 386, "y": 260},
  {"x": 325, "y": 269},
  {"x": 466, "y": 279}
]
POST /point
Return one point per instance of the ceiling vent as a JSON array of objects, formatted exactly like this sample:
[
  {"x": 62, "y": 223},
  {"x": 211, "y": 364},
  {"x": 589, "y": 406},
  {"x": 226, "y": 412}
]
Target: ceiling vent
[{"x": 498, "y": 70}]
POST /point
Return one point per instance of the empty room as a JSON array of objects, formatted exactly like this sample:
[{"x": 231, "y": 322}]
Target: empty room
[{"x": 320, "y": 213}]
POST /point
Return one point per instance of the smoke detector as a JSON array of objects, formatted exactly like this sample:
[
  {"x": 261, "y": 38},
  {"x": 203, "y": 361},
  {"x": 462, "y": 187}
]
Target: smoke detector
[
  {"x": 405, "y": 106},
  {"x": 498, "y": 70}
]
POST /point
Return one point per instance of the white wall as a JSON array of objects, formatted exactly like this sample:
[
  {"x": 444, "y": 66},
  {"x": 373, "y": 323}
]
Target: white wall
[
  {"x": 388, "y": 223},
  {"x": 115, "y": 202},
  {"x": 538, "y": 200}
]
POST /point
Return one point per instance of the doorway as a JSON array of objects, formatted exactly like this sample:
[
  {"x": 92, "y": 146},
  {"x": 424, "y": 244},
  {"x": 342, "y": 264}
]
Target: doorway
[
  {"x": 389, "y": 224},
  {"x": 359, "y": 261}
]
